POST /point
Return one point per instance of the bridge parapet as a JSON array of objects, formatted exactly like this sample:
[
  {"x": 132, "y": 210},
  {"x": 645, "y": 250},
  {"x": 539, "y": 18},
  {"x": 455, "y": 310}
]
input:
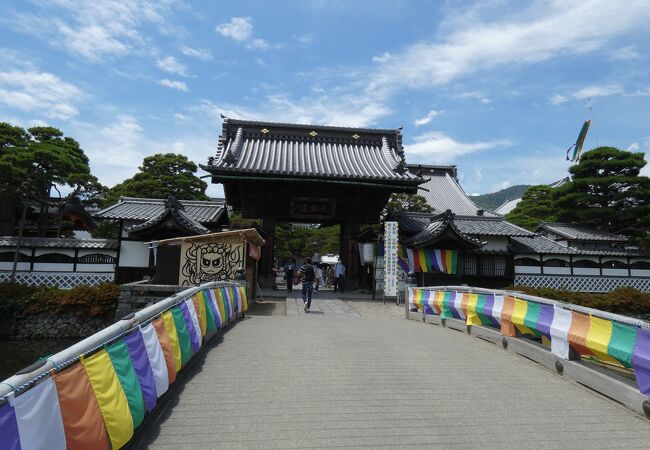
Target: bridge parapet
[
  {"x": 558, "y": 335},
  {"x": 97, "y": 392}
]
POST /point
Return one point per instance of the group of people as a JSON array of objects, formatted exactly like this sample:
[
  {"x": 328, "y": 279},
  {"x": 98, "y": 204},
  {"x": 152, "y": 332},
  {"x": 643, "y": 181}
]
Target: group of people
[{"x": 312, "y": 276}]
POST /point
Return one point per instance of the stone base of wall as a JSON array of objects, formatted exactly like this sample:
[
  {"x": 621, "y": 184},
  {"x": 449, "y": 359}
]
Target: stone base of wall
[{"x": 64, "y": 326}]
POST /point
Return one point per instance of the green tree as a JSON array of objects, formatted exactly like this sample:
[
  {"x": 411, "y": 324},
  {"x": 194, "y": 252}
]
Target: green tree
[
  {"x": 33, "y": 162},
  {"x": 160, "y": 176},
  {"x": 606, "y": 191},
  {"x": 535, "y": 207},
  {"x": 408, "y": 202}
]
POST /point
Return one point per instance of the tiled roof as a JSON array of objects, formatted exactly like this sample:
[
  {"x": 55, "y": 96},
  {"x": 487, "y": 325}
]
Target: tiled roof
[
  {"x": 540, "y": 244},
  {"x": 130, "y": 208},
  {"x": 174, "y": 210},
  {"x": 507, "y": 206},
  {"x": 311, "y": 151},
  {"x": 436, "y": 227},
  {"x": 412, "y": 222},
  {"x": 43, "y": 242},
  {"x": 580, "y": 232},
  {"x": 442, "y": 191}
]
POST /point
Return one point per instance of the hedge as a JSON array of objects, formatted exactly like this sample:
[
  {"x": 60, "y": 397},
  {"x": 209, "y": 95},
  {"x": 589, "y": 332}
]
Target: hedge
[
  {"x": 625, "y": 301},
  {"x": 95, "y": 301}
]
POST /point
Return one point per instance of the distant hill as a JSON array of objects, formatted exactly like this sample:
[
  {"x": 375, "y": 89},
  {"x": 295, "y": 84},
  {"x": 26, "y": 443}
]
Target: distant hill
[{"x": 495, "y": 199}]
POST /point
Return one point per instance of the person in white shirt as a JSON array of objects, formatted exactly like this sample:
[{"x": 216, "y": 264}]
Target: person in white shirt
[
  {"x": 319, "y": 278},
  {"x": 339, "y": 276}
]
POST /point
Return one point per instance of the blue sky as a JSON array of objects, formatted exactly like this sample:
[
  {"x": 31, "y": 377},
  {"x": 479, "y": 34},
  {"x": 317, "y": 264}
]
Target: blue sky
[{"x": 498, "y": 88}]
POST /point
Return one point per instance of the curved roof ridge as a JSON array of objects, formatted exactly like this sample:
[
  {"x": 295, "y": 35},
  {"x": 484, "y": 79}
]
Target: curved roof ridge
[{"x": 456, "y": 186}]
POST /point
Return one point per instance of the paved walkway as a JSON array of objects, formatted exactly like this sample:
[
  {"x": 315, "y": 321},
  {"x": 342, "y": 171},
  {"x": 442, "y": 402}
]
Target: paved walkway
[{"x": 333, "y": 380}]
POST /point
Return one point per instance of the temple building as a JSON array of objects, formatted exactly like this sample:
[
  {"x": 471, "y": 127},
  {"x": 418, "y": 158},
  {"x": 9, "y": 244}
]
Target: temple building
[
  {"x": 144, "y": 220},
  {"x": 484, "y": 249},
  {"x": 313, "y": 174}
]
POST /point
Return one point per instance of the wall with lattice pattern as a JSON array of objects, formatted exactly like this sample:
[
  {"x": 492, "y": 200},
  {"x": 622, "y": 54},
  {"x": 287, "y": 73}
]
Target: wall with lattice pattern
[
  {"x": 63, "y": 280},
  {"x": 582, "y": 284}
]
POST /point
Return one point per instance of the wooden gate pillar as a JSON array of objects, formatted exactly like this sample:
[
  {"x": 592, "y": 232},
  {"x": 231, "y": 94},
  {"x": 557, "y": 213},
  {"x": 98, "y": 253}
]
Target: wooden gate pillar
[
  {"x": 349, "y": 251},
  {"x": 266, "y": 260}
]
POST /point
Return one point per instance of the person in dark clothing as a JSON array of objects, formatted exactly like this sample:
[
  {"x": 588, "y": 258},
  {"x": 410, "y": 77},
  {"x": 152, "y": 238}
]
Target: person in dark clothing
[
  {"x": 289, "y": 270},
  {"x": 307, "y": 275}
]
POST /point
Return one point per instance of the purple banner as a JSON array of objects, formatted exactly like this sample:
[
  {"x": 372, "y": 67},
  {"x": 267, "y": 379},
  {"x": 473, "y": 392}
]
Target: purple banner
[{"x": 138, "y": 353}]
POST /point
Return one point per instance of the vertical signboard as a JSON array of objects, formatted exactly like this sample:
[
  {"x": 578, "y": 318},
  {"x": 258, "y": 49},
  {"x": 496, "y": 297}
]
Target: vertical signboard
[{"x": 390, "y": 258}]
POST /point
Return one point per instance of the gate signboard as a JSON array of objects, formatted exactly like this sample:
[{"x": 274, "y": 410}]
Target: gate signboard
[{"x": 390, "y": 258}]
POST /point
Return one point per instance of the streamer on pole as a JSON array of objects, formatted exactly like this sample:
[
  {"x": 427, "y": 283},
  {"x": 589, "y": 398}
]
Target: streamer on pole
[{"x": 577, "y": 147}]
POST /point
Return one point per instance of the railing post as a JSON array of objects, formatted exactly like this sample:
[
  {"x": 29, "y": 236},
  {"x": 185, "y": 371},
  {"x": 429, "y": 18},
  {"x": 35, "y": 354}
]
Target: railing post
[
  {"x": 240, "y": 280},
  {"x": 411, "y": 282}
]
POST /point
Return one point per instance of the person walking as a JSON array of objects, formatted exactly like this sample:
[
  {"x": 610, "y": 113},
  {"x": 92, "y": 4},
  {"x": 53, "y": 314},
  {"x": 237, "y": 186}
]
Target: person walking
[
  {"x": 307, "y": 275},
  {"x": 290, "y": 269},
  {"x": 330, "y": 276},
  {"x": 320, "y": 281},
  {"x": 339, "y": 274}
]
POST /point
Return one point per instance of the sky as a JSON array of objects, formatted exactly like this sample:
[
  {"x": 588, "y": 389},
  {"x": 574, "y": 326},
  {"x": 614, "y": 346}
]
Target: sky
[{"x": 498, "y": 88}]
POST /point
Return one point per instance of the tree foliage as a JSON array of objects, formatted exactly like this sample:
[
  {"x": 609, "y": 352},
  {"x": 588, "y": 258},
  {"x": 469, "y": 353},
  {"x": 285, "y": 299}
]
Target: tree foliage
[
  {"x": 606, "y": 191},
  {"x": 295, "y": 242},
  {"x": 535, "y": 207},
  {"x": 408, "y": 202},
  {"x": 160, "y": 176},
  {"x": 35, "y": 160}
]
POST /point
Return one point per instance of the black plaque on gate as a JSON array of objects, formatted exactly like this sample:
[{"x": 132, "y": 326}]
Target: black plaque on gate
[{"x": 312, "y": 208}]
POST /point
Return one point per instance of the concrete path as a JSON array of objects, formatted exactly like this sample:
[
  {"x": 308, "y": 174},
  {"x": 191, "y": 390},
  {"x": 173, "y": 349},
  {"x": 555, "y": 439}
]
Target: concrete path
[
  {"x": 320, "y": 308},
  {"x": 331, "y": 380}
]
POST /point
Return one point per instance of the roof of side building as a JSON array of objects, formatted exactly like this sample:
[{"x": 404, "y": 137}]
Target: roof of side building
[{"x": 144, "y": 209}]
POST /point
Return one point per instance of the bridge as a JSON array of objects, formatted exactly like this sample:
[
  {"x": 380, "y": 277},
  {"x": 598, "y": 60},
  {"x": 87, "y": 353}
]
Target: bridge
[{"x": 358, "y": 374}]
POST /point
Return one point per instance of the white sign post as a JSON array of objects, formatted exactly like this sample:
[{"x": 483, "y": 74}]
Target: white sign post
[{"x": 390, "y": 258}]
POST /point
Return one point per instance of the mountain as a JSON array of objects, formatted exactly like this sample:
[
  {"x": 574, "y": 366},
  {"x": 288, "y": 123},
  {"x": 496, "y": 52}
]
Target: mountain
[{"x": 495, "y": 199}]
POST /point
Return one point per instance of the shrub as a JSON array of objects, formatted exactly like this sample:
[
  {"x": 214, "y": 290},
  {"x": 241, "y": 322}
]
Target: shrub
[
  {"x": 626, "y": 301},
  {"x": 92, "y": 301}
]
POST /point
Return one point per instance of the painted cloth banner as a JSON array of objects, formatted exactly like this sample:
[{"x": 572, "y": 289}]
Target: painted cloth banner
[
  {"x": 125, "y": 372},
  {"x": 39, "y": 417},
  {"x": 192, "y": 322},
  {"x": 212, "y": 297},
  {"x": 560, "y": 327},
  {"x": 210, "y": 320},
  {"x": 157, "y": 360},
  {"x": 160, "y": 325},
  {"x": 402, "y": 258},
  {"x": 432, "y": 260},
  {"x": 244, "y": 297},
  {"x": 184, "y": 342},
  {"x": 142, "y": 367},
  {"x": 174, "y": 344},
  {"x": 9, "y": 438},
  {"x": 83, "y": 421},
  {"x": 111, "y": 398},
  {"x": 199, "y": 307},
  {"x": 641, "y": 360}
]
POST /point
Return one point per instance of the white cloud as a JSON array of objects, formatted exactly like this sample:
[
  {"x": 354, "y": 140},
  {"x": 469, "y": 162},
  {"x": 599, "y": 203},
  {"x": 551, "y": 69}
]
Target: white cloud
[
  {"x": 240, "y": 29},
  {"x": 178, "y": 85},
  {"x": 171, "y": 65},
  {"x": 95, "y": 30},
  {"x": 634, "y": 147},
  {"x": 344, "y": 110},
  {"x": 596, "y": 90},
  {"x": 426, "y": 119},
  {"x": 438, "y": 147},
  {"x": 557, "y": 99},
  {"x": 625, "y": 54},
  {"x": 382, "y": 58},
  {"x": 39, "y": 92},
  {"x": 476, "y": 95},
  {"x": 542, "y": 32},
  {"x": 197, "y": 53}
]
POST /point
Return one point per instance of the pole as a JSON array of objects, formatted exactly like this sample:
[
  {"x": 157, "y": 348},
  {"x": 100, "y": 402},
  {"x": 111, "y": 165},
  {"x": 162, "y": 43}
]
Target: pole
[{"x": 21, "y": 226}]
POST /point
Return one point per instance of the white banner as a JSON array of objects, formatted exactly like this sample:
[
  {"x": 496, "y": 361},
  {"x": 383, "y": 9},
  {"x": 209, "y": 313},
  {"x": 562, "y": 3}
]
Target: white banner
[{"x": 391, "y": 230}]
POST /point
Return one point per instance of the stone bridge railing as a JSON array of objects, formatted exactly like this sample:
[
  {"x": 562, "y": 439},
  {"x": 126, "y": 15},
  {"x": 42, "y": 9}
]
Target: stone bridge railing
[
  {"x": 96, "y": 393},
  {"x": 561, "y": 336}
]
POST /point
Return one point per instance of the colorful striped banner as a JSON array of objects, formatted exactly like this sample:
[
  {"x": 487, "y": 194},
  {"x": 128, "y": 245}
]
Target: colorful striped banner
[
  {"x": 138, "y": 353},
  {"x": 111, "y": 398},
  {"x": 99, "y": 401},
  {"x": 430, "y": 260},
  {"x": 641, "y": 360},
  {"x": 38, "y": 416},
  {"x": 82, "y": 418},
  {"x": 119, "y": 356}
]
